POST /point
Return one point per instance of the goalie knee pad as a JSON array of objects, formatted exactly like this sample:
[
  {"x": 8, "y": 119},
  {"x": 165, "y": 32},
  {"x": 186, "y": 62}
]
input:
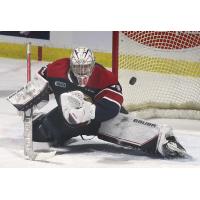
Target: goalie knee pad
[
  {"x": 51, "y": 127},
  {"x": 40, "y": 133},
  {"x": 44, "y": 130}
]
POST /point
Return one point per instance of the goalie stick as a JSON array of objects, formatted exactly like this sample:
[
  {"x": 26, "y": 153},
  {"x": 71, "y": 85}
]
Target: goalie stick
[{"x": 28, "y": 117}]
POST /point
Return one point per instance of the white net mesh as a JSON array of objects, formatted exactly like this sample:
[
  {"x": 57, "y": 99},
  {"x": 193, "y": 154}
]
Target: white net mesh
[{"x": 166, "y": 66}]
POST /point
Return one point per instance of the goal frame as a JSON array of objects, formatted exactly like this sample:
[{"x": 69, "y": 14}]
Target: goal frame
[{"x": 115, "y": 53}]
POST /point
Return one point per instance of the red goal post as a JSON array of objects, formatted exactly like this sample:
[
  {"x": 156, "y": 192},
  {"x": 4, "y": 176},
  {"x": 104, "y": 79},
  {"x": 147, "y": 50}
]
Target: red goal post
[
  {"x": 166, "y": 65},
  {"x": 115, "y": 52}
]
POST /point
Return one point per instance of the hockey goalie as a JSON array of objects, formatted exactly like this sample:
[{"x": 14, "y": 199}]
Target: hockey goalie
[{"x": 89, "y": 102}]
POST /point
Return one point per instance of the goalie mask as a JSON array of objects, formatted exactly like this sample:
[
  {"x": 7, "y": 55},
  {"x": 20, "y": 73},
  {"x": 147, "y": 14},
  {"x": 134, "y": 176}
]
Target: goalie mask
[{"x": 82, "y": 62}]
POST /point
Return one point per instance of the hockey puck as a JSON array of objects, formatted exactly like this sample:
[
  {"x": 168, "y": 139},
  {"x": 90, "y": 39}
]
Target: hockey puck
[{"x": 132, "y": 80}]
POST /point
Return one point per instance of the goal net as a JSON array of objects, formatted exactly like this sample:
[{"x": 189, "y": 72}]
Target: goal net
[{"x": 159, "y": 72}]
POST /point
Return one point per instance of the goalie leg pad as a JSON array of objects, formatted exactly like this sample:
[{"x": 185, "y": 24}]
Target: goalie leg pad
[
  {"x": 139, "y": 134},
  {"x": 149, "y": 147},
  {"x": 130, "y": 132}
]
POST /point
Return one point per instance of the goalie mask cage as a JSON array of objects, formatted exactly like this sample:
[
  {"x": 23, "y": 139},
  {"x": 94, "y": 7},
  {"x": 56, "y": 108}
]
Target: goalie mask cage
[{"x": 166, "y": 65}]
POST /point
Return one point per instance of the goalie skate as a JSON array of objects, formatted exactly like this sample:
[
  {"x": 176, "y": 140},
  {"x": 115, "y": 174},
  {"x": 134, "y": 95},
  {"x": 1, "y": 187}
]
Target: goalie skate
[
  {"x": 174, "y": 149},
  {"x": 168, "y": 146}
]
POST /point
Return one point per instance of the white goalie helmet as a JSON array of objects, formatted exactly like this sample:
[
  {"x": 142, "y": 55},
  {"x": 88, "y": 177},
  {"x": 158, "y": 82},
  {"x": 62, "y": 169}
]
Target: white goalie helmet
[{"x": 82, "y": 62}]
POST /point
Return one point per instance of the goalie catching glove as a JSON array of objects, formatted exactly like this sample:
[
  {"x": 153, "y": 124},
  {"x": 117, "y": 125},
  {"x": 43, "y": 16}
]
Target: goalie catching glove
[{"x": 75, "y": 109}]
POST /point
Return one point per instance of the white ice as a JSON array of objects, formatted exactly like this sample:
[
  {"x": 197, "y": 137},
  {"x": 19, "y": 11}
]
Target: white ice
[{"x": 90, "y": 153}]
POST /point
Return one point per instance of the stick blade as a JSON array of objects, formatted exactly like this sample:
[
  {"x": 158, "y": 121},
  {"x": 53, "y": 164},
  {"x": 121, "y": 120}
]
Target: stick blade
[{"x": 41, "y": 155}]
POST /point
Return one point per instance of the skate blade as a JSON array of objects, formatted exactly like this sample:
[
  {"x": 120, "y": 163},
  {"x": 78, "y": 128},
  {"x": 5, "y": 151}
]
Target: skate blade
[{"x": 41, "y": 155}]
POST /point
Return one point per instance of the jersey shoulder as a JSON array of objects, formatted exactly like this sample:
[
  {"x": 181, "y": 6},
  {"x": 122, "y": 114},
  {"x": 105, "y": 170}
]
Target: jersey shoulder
[
  {"x": 59, "y": 68},
  {"x": 101, "y": 77}
]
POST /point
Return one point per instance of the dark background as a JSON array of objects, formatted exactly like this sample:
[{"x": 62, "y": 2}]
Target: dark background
[{"x": 30, "y": 34}]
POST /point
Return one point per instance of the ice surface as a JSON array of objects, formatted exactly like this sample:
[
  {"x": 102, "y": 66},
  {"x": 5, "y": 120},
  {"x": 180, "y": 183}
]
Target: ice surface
[{"x": 90, "y": 153}]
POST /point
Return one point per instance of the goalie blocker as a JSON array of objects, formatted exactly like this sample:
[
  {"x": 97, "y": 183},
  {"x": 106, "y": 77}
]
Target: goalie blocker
[{"x": 33, "y": 93}]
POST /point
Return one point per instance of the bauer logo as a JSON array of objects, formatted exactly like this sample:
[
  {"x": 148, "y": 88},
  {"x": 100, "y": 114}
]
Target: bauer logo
[
  {"x": 60, "y": 84},
  {"x": 144, "y": 123}
]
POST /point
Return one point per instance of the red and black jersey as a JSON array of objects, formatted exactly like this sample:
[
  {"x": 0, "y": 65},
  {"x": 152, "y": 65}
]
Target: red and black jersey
[{"x": 102, "y": 88}]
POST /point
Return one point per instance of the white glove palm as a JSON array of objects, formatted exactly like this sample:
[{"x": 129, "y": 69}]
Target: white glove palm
[{"x": 75, "y": 109}]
